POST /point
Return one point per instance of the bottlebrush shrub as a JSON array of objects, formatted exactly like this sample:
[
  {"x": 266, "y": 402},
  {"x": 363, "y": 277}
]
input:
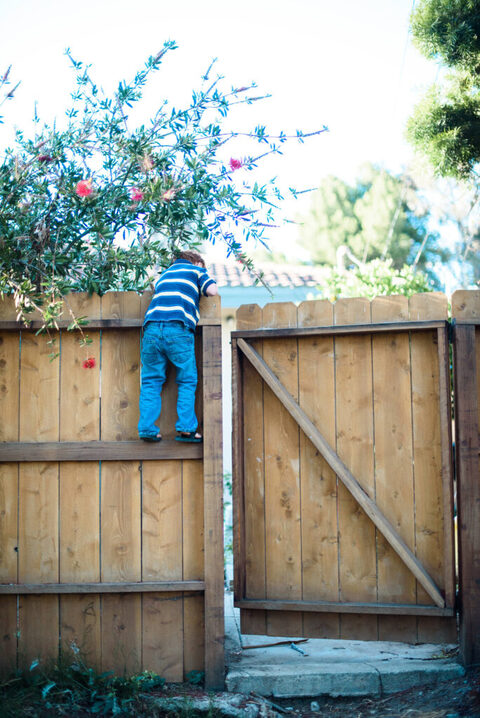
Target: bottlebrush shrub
[{"x": 94, "y": 205}]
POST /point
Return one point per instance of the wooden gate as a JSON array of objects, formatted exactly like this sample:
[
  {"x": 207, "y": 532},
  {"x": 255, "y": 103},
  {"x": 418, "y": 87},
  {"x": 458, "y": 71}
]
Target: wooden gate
[
  {"x": 106, "y": 541},
  {"x": 343, "y": 497}
]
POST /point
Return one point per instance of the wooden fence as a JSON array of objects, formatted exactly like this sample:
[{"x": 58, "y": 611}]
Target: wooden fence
[
  {"x": 343, "y": 472},
  {"x": 107, "y": 542}
]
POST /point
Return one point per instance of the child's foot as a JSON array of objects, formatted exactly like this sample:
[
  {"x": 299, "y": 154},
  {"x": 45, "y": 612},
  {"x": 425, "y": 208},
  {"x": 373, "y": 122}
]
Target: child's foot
[
  {"x": 190, "y": 436},
  {"x": 151, "y": 437}
]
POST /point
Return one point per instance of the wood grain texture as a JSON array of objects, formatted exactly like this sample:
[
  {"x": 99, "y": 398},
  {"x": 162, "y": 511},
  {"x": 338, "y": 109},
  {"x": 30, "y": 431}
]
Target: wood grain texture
[
  {"x": 467, "y": 367},
  {"x": 283, "y": 552},
  {"x": 97, "y": 450},
  {"x": 122, "y": 634},
  {"x": 354, "y": 409},
  {"x": 162, "y": 635},
  {"x": 39, "y": 391},
  {"x": 394, "y": 487},
  {"x": 162, "y": 541},
  {"x": 466, "y": 305},
  {"x": 213, "y": 506},
  {"x": 38, "y": 523},
  {"x": 120, "y": 522},
  {"x": 249, "y": 477},
  {"x": 9, "y": 386},
  {"x": 429, "y": 489},
  {"x": 193, "y": 521},
  {"x": 80, "y": 626},
  {"x": 8, "y": 523},
  {"x": 103, "y": 587},
  {"x": 8, "y": 634},
  {"x": 193, "y": 634},
  {"x": 79, "y": 522},
  {"x": 316, "y": 368},
  {"x": 79, "y": 389},
  {"x": 38, "y": 635}
]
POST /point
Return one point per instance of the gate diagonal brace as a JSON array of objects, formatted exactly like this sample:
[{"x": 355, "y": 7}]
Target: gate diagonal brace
[{"x": 343, "y": 473}]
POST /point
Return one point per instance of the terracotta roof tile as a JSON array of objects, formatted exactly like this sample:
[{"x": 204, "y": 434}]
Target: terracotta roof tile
[{"x": 275, "y": 275}]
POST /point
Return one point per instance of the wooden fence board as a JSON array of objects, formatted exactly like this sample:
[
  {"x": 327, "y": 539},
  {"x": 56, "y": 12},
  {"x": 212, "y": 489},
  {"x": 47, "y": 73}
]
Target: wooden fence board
[
  {"x": 9, "y": 386},
  {"x": 429, "y": 528},
  {"x": 162, "y": 544},
  {"x": 193, "y": 634},
  {"x": 253, "y": 494},
  {"x": 122, "y": 633},
  {"x": 318, "y": 481},
  {"x": 8, "y": 635},
  {"x": 193, "y": 523},
  {"x": 80, "y": 628},
  {"x": 282, "y": 483},
  {"x": 163, "y": 635},
  {"x": 79, "y": 389},
  {"x": 354, "y": 409},
  {"x": 38, "y": 635},
  {"x": 8, "y": 523},
  {"x": 393, "y": 463},
  {"x": 120, "y": 522},
  {"x": 79, "y": 522}
]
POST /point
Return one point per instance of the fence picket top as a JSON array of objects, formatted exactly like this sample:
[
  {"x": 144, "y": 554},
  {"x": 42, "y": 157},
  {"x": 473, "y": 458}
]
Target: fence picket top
[
  {"x": 249, "y": 316},
  {"x": 352, "y": 311},
  {"x": 210, "y": 308},
  {"x": 466, "y": 304},
  {"x": 279, "y": 315},
  {"x": 428, "y": 306},
  {"x": 392, "y": 308},
  {"x": 82, "y": 304},
  {"x": 121, "y": 305},
  {"x": 316, "y": 313},
  {"x": 7, "y": 307}
]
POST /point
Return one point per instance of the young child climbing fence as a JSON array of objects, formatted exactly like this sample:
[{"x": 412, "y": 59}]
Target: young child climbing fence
[{"x": 169, "y": 335}]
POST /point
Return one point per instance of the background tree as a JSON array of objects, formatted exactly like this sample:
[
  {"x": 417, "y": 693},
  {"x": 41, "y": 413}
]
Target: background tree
[
  {"x": 445, "y": 125},
  {"x": 381, "y": 216}
]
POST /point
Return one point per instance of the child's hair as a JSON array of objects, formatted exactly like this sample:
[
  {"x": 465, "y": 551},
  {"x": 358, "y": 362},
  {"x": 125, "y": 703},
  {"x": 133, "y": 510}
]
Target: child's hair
[{"x": 191, "y": 256}]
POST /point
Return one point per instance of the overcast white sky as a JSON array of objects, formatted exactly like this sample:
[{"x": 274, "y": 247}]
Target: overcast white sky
[{"x": 345, "y": 64}]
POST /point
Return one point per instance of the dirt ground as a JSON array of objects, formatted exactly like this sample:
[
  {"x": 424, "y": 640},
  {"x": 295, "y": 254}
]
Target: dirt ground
[{"x": 449, "y": 699}]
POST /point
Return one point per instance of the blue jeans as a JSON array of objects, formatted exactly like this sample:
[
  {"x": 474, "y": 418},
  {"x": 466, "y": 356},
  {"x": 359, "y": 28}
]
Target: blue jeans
[{"x": 163, "y": 341}]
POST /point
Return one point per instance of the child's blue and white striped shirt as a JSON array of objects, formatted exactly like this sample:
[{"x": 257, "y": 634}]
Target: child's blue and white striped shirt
[{"x": 177, "y": 293}]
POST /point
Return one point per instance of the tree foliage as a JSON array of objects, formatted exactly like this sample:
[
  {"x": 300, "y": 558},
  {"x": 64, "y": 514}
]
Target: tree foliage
[
  {"x": 373, "y": 279},
  {"x": 445, "y": 125},
  {"x": 379, "y": 217},
  {"x": 93, "y": 203}
]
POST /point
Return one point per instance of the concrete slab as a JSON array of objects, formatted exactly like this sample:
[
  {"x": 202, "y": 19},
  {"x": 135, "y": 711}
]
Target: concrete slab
[{"x": 330, "y": 667}]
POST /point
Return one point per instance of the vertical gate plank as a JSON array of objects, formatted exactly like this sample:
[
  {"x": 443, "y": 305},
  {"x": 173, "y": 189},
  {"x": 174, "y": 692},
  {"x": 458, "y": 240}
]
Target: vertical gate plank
[
  {"x": 354, "y": 413},
  {"x": 429, "y": 519},
  {"x": 282, "y": 482},
  {"x": 252, "y": 490},
  {"x": 318, "y": 482},
  {"x": 393, "y": 463},
  {"x": 163, "y": 635},
  {"x": 193, "y": 633}
]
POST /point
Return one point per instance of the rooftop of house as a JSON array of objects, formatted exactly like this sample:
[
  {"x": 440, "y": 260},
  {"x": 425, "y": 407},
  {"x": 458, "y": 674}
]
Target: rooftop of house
[{"x": 275, "y": 275}]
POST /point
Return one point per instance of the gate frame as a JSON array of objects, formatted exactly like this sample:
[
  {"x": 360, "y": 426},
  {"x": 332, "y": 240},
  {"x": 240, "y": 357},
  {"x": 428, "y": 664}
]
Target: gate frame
[{"x": 240, "y": 354}]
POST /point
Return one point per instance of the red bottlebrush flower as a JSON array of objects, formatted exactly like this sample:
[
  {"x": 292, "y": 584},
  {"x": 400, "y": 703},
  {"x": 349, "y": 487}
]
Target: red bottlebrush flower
[
  {"x": 235, "y": 164},
  {"x": 45, "y": 158},
  {"x": 169, "y": 194},
  {"x": 89, "y": 363},
  {"x": 84, "y": 188},
  {"x": 136, "y": 194}
]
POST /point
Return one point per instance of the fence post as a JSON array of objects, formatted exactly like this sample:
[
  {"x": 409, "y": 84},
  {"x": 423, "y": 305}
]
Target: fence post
[
  {"x": 213, "y": 502},
  {"x": 468, "y": 490}
]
